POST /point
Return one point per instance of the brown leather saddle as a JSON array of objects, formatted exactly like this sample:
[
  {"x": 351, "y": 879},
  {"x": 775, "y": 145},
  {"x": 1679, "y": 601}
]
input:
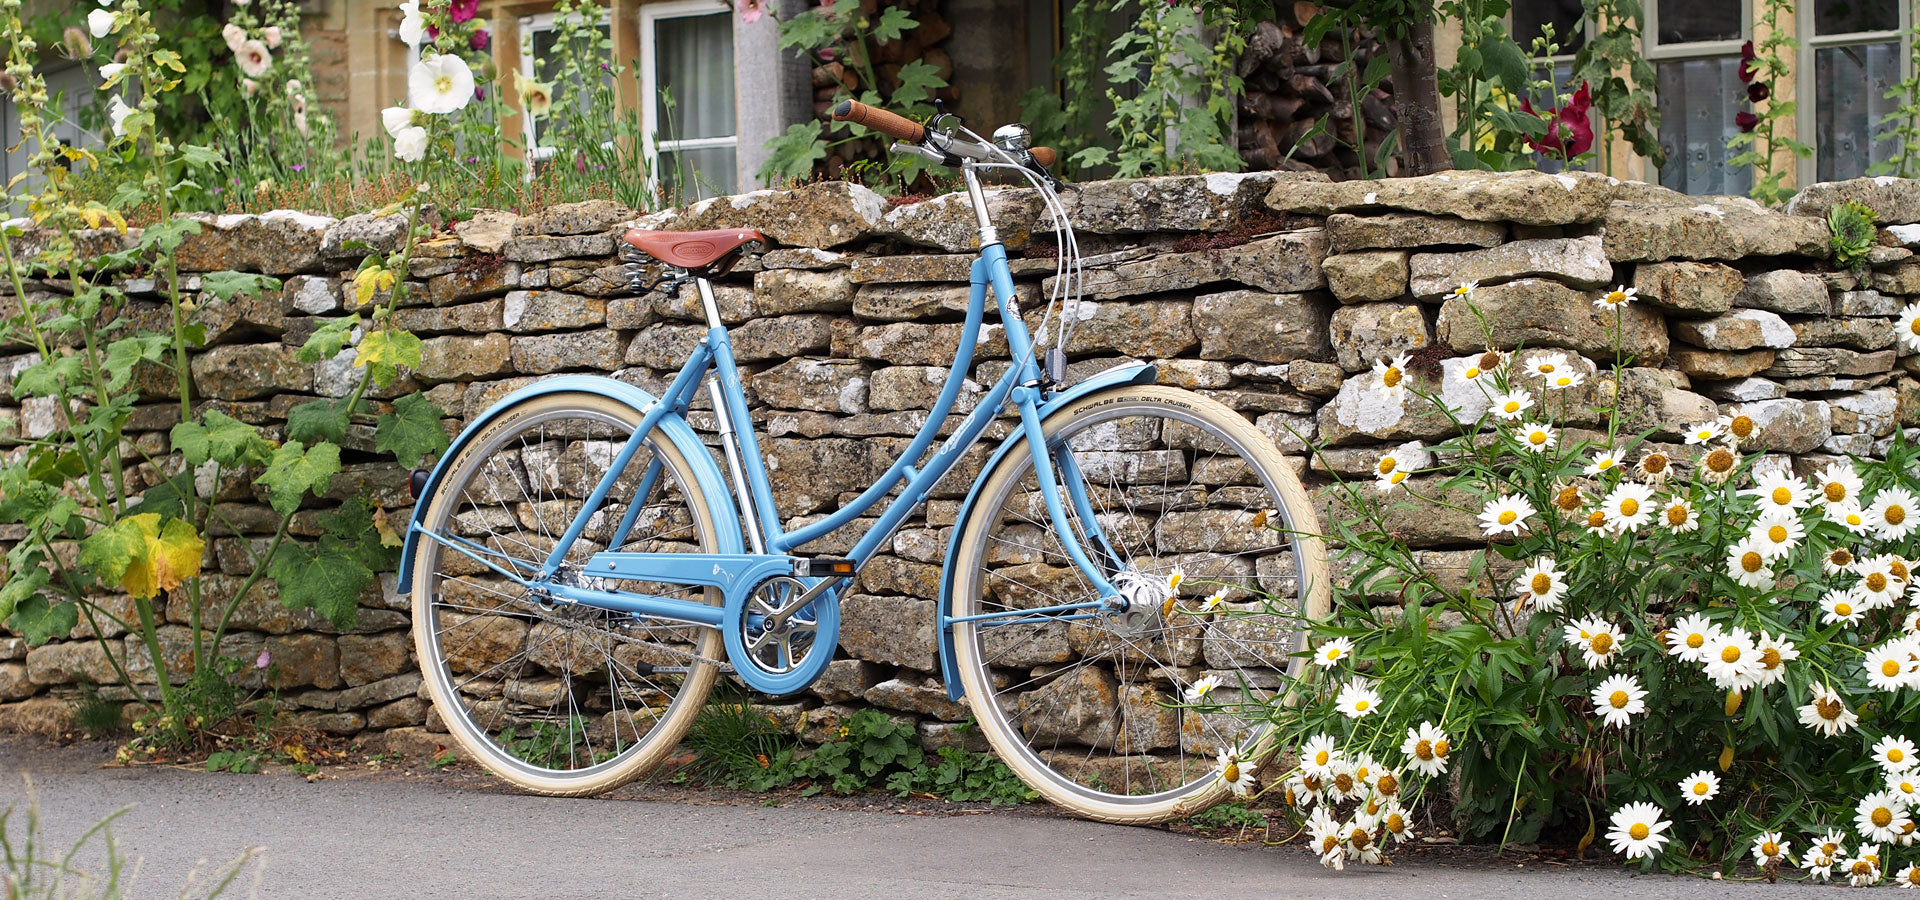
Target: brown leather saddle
[{"x": 708, "y": 254}]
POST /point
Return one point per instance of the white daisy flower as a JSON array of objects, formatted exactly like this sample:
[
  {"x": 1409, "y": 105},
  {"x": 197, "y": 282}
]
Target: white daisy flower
[
  {"x": 1827, "y": 712},
  {"x": 1842, "y": 605},
  {"x": 1894, "y": 753},
  {"x": 1564, "y": 379},
  {"x": 1304, "y": 791},
  {"x": 1357, "y": 701},
  {"x": 1638, "y": 830},
  {"x": 1877, "y": 587},
  {"x": 1892, "y": 513},
  {"x": 1739, "y": 426},
  {"x": 1463, "y": 290},
  {"x": 1617, "y": 298},
  {"x": 1239, "y": 778},
  {"x": 1905, "y": 787},
  {"x": 1604, "y": 461},
  {"x": 1390, "y": 378},
  {"x": 1363, "y": 843},
  {"x": 1908, "y": 878},
  {"x": 1535, "y": 436},
  {"x": 1864, "y": 867},
  {"x": 1201, "y": 687},
  {"x": 1483, "y": 365},
  {"x": 1505, "y": 515},
  {"x": 1848, "y": 514},
  {"x": 1541, "y": 584},
  {"x": 1599, "y": 641},
  {"x": 1746, "y": 564},
  {"x": 1839, "y": 561},
  {"x": 1769, "y": 849},
  {"x": 1213, "y": 601},
  {"x": 1341, "y": 785},
  {"x": 1775, "y": 653},
  {"x": 1838, "y": 482},
  {"x": 1654, "y": 467},
  {"x": 1512, "y": 405},
  {"x": 1699, "y": 787},
  {"x": 1395, "y": 466},
  {"x": 1690, "y": 636},
  {"x": 1176, "y": 578},
  {"x": 1779, "y": 490},
  {"x": 1880, "y": 818},
  {"x": 1819, "y": 864},
  {"x": 1887, "y": 667},
  {"x": 1546, "y": 365},
  {"x": 1318, "y": 755},
  {"x": 1326, "y": 836},
  {"x": 1394, "y": 824},
  {"x": 1733, "y": 661},
  {"x": 1426, "y": 749},
  {"x": 1679, "y": 517},
  {"x": 1332, "y": 652},
  {"x": 1775, "y": 535},
  {"x": 1628, "y": 506},
  {"x": 1718, "y": 465},
  {"x": 1618, "y": 699},
  {"x": 1705, "y": 432}
]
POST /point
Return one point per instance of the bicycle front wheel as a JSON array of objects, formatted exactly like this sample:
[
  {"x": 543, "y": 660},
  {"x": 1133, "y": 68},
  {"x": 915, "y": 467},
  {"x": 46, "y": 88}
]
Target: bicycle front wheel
[
  {"x": 1198, "y": 505},
  {"x": 560, "y": 699}
]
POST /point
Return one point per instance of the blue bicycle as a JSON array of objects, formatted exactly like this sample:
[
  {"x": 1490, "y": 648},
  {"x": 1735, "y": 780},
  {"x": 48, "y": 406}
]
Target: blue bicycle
[{"x": 582, "y": 570}]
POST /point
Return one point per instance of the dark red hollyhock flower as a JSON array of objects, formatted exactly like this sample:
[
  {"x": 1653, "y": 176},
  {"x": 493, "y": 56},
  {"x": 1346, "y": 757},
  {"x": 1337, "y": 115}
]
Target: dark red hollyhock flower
[
  {"x": 463, "y": 10},
  {"x": 1569, "y": 130},
  {"x": 1748, "y": 68},
  {"x": 1758, "y": 91},
  {"x": 479, "y": 40},
  {"x": 1745, "y": 120}
]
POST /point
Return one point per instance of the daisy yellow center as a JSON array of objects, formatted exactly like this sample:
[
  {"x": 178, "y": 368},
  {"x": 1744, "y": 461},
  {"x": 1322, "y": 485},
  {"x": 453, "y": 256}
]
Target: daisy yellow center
[
  {"x": 1853, "y": 518},
  {"x": 1537, "y": 438},
  {"x": 1782, "y": 496},
  {"x": 1334, "y": 653},
  {"x": 1730, "y": 654},
  {"x": 1770, "y": 658},
  {"x": 1629, "y": 506},
  {"x": 1840, "y": 558},
  {"x": 1322, "y": 758},
  {"x": 1604, "y": 465},
  {"x": 1563, "y": 381},
  {"x": 1359, "y": 839},
  {"x": 1843, "y": 608},
  {"x": 1654, "y": 463},
  {"x": 1424, "y": 750},
  {"x": 1751, "y": 561},
  {"x": 1777, "y": 534},
  {"x": 1616, "y": 297},
  {"x": 1876, "y": 582},
  {"x": 1361, "y": 705},
  {"x": 1676, "y": 515},
  {"x": 1387, "y": 464},
  {"x": 1329, "y": 844},
  {"x": 1231, "y": 772},
  {"x": 1391, "y": 378},
  {"x": 1835, "y": 491},
  {"x": 1862, "y": 867},
  {"x": 1472, "y": 372},
  {"x": 1898, "y": 568},
  {"x": 1895, "y": 514},
  {"x": 1440, "y": 748},
  {"x": 1720, "y": 461},
  {"x": 1542, "y": 583},
  {"x": 1568, "y": 498},
  {"x": 1890, "y": 668},
  {"x": 1639, "y": 831},
  {"x": 1596, "y": 519},
  {"x": 1396, "y": 823},
  {"x": 1915, "y": 327},
  {"x": 1512, "y": 406},
  {"x": 1828, "y": 708},
  {"x": 1387, "y": 785},
  {"x": 1895, "y": 754},
  {"x": 1311, "y": 782},
  {"x": 1742, "y": 427},
  {"x": 1696, "y": 640},
  {"x": 1546, "y": 368},
  {"x": 1602, "y": 644},
  {"x": 1619, "y": 700},
  {"x": 1700, "y": 788},
  {"x": 1769, "y": 848},
  {"x": 1882, "y": 817},
  {"x": 1507, "y": 516},
  {"x": 1396, "y": 477},
  {"x": 1343, "y": 782}
]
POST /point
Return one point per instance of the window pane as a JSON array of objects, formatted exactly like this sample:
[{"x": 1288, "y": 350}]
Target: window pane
[
  {"x": 1564, "y": 15},
  {"x": 1844, "y": 16},
  {"x": 695, "y": 174},
  {"x": 1697, "y": 105},
  {"x": 1850, "y": 88},
  {"x": 1686, "y": 21},
  {"x": 695, "y": 75}
]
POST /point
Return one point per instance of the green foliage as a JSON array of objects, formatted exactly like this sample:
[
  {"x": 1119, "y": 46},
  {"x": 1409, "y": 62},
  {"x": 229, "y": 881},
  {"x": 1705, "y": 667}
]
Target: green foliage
[
  {"x": 222, "y": 439},
  {"x": 1851, "y": 225},
  {"x": 95, "y": 715},
  {"x": 1172, "y": 95},
  {"x": 296, "y": 469},
  {"x": 1489, "y": 76},
  {"x": 411, "y": 432},
  {"x": 545, "y": 744},
  {"x": 1626, "y": 105},
  {"x": 321, "y": 578},
  {"x": 241, "y": 761},
  {"x": 1229, "y": 815},
  {"x": 39, "y": 620},
  {"x": 1761, "y": 147},
  {"x": 1902, "y": 125},
  {"x": 329, "y": 339}
]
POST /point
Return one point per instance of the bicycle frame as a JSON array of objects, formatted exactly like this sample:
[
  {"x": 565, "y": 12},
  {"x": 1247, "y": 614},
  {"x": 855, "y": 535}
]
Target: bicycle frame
[{"x": 773, "y": 548}]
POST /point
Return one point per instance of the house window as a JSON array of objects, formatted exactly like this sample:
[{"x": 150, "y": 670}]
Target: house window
[
  {"x": 540, "y": 61},
  {"x": 1694, "y": 46},
  {"x": 1855, "y": 53},
  {"x": 686, "y": 48}
]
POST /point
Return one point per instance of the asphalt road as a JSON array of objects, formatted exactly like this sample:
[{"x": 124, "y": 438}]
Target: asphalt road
[{"x": 448, "y": 834}]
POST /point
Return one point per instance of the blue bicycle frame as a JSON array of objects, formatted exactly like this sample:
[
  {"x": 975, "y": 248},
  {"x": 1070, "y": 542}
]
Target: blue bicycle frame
[{"x": 772, "y": 548}]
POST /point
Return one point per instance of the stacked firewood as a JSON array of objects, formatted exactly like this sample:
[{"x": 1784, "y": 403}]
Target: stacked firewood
[{"x": 1291, "y": 88}]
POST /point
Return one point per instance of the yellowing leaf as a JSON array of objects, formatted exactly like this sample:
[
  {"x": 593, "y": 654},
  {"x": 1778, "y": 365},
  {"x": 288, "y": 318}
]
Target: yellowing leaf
[
  {"x": 161, "y": 556},
  {"x": 177, "y": 554},
  {"x": 384, "y": 527},
  {"x": 370, "y": 281}
]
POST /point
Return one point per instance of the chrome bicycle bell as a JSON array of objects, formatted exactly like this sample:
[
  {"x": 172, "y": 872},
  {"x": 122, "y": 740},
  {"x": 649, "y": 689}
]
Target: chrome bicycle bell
[{"x": 1014, "y": 138}]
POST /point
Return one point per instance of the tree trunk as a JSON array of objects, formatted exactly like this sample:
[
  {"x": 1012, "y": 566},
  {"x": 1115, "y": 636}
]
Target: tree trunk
[{"x": 1416, "y": 91}]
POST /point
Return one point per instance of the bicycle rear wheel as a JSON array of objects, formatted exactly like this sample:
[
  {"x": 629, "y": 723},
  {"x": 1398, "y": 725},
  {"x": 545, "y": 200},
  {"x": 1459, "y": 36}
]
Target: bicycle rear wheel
[
  {"x": 558, "y": 699},
  {"x": 1082, "y": 709}
]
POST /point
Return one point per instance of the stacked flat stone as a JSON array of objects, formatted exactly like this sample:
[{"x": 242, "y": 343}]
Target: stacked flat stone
[{"x": 1271, "y": 292}]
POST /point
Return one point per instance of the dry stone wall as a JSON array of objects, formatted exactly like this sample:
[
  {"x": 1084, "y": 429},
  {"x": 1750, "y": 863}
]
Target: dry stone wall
[{"x": 1272, "y": 292}]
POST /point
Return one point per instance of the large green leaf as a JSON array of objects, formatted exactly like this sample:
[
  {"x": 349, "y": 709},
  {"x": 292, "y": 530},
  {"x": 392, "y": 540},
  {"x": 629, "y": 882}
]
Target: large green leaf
[
  {"x": 319, "y": 420},
  {"x": 412, "y": 431},
  {"x": 228, "y": 285},
  {"x": 221, "y": 438},
  {"x": 125, "y": 353},
  {"x": 384, "y": 352},
  {"x": 327, "y": 579},
  {"x": 20, "y": 588},
  {"x": 39, "y": 621},
  {"x": 329, "y": 339},
  {"x": 295, "y": 469}
]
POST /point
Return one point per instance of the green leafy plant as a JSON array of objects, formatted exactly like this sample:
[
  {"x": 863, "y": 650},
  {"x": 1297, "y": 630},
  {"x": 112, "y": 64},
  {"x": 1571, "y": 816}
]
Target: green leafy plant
[
  {"x": 546, "y": 744},
  {"x": 737, "y": 746},
  {"x": 1626, "y": 105},
  {"x": 1172, "y": 95},
  {"x": 1489, "y": 77},
  {"x": 1851, "y": 225},
  {"x": 1229, "y": 815},
  {"x": 1759, "y": 145}
]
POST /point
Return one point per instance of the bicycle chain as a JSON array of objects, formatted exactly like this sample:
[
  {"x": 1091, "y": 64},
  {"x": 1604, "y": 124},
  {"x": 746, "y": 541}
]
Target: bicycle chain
[{"x": 725, "y": 668}]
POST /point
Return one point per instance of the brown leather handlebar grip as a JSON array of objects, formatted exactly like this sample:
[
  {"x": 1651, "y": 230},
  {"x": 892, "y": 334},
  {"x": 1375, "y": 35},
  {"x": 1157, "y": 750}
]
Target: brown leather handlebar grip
[
  {"x": 899, "y": 128},
  {"x": 1045, "y": 156}
]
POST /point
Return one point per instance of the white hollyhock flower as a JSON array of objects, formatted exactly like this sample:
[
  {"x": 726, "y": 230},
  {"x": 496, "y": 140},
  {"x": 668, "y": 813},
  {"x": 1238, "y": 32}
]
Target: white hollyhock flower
[
  {"x": 254, "y": 58},
  {"x": 410, "y": 145},
  {"x": 233, "y": 35},
  {"x": 412, "y": 28},
  {"x": 99, "y": 22},
  {"x": 110, "y": 71},
  {"x": 396, "y": 119},
  {"x": 272, "y": 35},
  {"x": 117, "y": 112}
]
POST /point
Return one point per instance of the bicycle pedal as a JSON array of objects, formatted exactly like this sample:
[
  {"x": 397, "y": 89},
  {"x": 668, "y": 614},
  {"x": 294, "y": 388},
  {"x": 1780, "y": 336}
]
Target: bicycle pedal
[{"x": 822, "y": 566}]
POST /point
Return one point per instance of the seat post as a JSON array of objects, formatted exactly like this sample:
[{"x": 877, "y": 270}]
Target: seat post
[{"x": 706, "y": 300}]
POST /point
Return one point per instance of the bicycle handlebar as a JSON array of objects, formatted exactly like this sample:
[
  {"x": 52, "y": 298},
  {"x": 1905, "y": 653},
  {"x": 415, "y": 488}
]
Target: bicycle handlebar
[{"x": 901, "y": 128}]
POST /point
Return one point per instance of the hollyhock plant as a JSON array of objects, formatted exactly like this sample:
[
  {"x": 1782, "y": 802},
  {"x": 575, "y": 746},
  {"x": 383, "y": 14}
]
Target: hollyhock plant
[
  {"x": 479, "y": 40},
  {"x": 463, "y": 10},
  {"x": 1569, "y": 128},
  {"x": 1746, "y": 120},
  {"x": 750, "y": 11}
]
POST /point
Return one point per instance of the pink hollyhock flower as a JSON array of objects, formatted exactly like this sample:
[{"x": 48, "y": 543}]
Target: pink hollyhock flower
[
  {"x": 750, "y": 11},
  {"x": 1746, "y": 120},
  {"x": 479, "y": 40},
  {"x": 462, "y": 10},
  {"x": 1569, "y": 131}
]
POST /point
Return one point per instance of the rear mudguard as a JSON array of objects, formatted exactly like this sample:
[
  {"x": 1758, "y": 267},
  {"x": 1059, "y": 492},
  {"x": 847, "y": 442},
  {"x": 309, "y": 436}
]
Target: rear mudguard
[
  {"x": 706, "y": 473},
  {"x": 1114, "y": 377}
]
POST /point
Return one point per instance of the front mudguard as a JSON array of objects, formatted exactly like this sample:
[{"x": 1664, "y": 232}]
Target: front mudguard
[
  {"x": 1114, "y": 377},
  {"x": 712, "y": 484}
]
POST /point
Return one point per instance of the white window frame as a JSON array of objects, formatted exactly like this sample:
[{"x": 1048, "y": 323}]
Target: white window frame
[
  {"x": 650, "y": 15},
  {"x": 1806, "y": 115},
  {"x": 1656, "y": 53},
  {"x": 529, "y": 26}
]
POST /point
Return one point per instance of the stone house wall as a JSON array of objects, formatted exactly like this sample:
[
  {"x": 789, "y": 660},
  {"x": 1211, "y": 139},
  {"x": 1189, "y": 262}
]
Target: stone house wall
[{"x": 1271, "y": 292}]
